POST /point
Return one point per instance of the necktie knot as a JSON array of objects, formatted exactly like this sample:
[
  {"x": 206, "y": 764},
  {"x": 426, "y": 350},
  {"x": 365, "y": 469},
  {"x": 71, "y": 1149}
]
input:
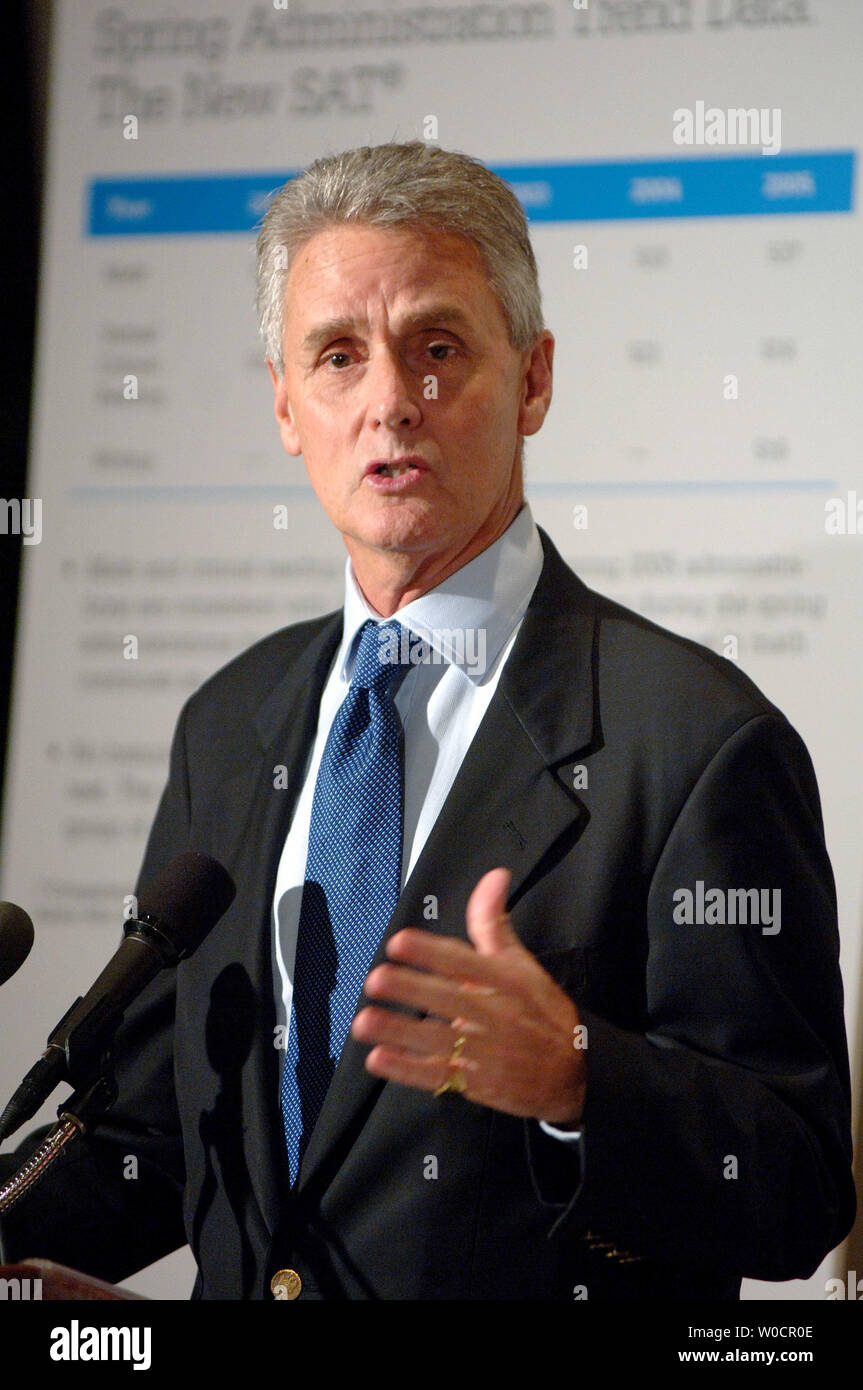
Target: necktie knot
[{"x": 378, "y": 665}]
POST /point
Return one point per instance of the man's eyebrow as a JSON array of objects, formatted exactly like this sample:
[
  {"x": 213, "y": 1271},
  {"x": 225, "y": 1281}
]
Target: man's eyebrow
[
  {"x": 436, "y": 315},
  {"x": 325, "y": 332}
]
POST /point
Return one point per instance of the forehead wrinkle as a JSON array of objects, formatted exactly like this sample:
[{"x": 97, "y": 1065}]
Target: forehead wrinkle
[{"x": 337, "y": 254}]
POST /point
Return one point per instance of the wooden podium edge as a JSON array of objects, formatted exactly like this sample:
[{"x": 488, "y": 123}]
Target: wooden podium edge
[{"x": 58, "y": 1284}]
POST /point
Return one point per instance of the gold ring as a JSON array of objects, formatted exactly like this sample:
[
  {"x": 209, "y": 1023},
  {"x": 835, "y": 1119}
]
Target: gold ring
[{"x": 455, "y": 1081}]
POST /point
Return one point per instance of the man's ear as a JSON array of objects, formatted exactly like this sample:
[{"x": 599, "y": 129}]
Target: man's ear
[
  {"x": 536, "y": 384},
  {"x": 283, "y": 413}
]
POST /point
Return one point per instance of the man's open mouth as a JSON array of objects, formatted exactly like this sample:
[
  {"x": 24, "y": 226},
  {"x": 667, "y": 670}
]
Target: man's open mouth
[{"x": 395, "y": 470}]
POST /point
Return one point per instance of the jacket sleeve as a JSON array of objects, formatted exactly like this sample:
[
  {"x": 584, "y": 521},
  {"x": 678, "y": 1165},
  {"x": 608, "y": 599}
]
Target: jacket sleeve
[
  {"x": 114, "y": 1205},
  {"x": 719, "y": 1135}
]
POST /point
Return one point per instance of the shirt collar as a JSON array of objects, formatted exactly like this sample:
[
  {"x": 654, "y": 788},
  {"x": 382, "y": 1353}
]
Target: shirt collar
[{"x": 468, "y": 618}]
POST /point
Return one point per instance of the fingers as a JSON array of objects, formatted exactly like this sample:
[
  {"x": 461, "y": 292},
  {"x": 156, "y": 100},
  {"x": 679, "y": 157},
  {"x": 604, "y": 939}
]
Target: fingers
[
  {"x": 514, "y": 972},
  {"x": 422, "y": 1052},
  {"x": 488, "y": 924},
  {"x": 445, "y": 955},
  {"x": 440, "y": 996},
  {"x": 426, "y": 1037},
  {"x": 457, "y": 960},
  {"x": 428, "y": 1073}
]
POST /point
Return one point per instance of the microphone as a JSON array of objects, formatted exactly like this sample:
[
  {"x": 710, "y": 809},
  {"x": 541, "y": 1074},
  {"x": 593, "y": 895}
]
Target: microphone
[
  {"x": 175, "y": 914},
  {"x": 16, "y": 939}
]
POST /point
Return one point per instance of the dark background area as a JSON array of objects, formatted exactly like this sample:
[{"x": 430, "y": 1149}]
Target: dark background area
[{"x": 24, "y": 34}]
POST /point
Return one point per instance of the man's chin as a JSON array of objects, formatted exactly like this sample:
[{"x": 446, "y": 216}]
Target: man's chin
[{"x": 405, "y": 527}]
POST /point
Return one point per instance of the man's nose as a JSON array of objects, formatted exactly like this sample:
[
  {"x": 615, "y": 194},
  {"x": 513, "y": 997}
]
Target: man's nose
[{"x": 393, "y": 393}]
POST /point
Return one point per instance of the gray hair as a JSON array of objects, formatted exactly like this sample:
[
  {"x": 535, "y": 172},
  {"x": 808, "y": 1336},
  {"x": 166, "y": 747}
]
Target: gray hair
[{"x": 401, "y": 185}]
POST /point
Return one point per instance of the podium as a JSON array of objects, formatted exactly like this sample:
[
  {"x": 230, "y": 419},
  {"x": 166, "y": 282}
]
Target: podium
[{"x": 33, "y": 1281}]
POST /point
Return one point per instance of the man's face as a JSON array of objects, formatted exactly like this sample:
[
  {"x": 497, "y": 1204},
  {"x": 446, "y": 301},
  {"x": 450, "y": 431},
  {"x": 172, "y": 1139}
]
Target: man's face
[{"x": 402, "y": 391}]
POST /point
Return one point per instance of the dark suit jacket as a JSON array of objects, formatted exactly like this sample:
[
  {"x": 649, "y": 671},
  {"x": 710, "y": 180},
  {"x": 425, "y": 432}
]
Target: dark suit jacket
[{"x": 717, "y": 1121}]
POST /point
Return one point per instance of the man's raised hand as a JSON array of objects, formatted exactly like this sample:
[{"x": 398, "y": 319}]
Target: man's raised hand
[{"x": 518, "y": 1025}]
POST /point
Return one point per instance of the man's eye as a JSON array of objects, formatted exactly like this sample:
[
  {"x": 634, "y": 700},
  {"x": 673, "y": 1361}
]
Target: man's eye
[
  {"x": 441, "y": 350},
  {"x": 331, "y": 358}
]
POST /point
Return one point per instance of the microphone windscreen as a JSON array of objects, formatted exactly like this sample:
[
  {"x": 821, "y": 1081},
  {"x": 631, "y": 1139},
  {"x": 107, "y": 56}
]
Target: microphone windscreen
[
  {"x": 188, "y": 898},
  {"x": 16, "y": 939}
]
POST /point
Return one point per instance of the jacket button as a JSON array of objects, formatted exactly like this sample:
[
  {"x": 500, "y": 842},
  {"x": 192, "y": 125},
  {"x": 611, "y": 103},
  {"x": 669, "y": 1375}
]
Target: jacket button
[{"x": 286, "y": 1284}]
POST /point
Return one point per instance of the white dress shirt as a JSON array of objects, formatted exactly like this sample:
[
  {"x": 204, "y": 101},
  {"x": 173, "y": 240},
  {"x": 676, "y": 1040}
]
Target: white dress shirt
[{"x": 470, "y": 622}]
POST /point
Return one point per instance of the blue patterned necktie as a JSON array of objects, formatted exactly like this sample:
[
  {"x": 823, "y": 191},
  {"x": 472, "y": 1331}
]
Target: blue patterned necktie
[{"x": 352, "y": 880}]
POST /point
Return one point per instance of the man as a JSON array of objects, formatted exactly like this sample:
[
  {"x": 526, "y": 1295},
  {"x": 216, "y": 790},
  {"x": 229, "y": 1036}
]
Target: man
[{"x": 560, "y": 1083}]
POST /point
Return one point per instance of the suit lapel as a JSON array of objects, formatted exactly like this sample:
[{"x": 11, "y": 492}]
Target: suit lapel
[{"x": 509, "y": 803}]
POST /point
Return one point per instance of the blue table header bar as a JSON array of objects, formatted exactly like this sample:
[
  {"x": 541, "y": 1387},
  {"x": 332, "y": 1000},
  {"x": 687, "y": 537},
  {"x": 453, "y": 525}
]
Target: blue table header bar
[{"x": 751, "y": 185}]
